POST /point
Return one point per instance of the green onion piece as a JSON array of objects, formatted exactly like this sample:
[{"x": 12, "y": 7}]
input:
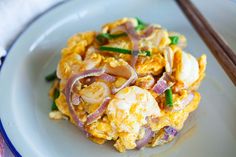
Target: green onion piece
[
  {"x": 113, "y": 36},
  {"x": 174, "y": 40},
  {"x": 124, "y": 51},
  {"x": 54, "y": 107},
  {"x": 139, "y": 27},
  {"x": 103, "y": 37},
  {"x": 141, "y": 24},
  {"x": 114, "y": 49},
  {"x": 169, "y": 97},
  {"x": 51, "y": 77},
  {"x": 55, "y": 96}
]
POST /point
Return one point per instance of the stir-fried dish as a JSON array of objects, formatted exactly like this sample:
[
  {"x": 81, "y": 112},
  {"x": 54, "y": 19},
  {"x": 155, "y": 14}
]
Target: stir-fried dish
[{"x": 131, "y": 83}]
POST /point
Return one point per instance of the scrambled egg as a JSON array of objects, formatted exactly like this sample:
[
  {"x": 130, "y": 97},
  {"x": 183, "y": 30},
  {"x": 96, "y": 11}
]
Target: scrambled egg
[
  {"x": 127, "y": 113},
  {"x": 153, "y": 65},
  {"x": 69, "y": 65},
  {"x": 176, "y": 119},
  {"x": 136, "y": 106},
  {"x": 79, "y": 43}
]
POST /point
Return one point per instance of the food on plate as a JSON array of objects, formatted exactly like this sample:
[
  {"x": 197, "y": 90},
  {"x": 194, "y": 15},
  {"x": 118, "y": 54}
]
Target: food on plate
[{"x": 131, "y": 83}]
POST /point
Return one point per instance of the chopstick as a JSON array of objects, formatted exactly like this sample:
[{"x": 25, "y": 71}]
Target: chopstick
[{"x": 218, "y": 46}]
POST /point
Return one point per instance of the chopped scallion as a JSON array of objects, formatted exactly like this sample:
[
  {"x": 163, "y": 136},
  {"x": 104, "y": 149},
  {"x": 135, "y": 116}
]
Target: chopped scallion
[
  {"x": 174, "y": 40},
  {"x": 112, "y": 36},
  {"x": 54, "y": 106},
  {"x": 169, "y": 97},
  {"x": 124, "y": 51},
  {"x": 51, "y": 77},
  {"x": 140, "y": 22},
  {"x": 103, "y": 37},
  {"x": 55, "y": 96},
  {"x": 141, "y": 25},
  {"x": 115, "y": 49}
]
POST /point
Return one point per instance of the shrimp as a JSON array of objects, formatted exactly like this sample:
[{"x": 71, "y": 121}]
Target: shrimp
[
  {"x": 111, "y": 26},
  {"x": 92, "y": 59},
  {"x": 159, "y": 38},
  {"x": 128, "y": 112},
  {"x": 202, "y": 61},
  {"x": 95, "y": 93},
  {"x": 186, "y": 68},
  {"x": 145, "y": 82}
]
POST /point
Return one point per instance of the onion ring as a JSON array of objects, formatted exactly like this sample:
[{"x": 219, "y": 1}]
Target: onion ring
[
  {"x": 164, "y": 83},
  {"x": 107, "y": 77},
  {"x": 146, "y": 138},
  {"x": 127, "y": 72},
  {"x": 170, "y": 131},
  {"x": 68, "y": 92},
  {"x": 184, "y": 102},
  {"x": 147, "y": 32},
  {"x": 101, "y": 109},
  {"x": 134, "y": 37}
]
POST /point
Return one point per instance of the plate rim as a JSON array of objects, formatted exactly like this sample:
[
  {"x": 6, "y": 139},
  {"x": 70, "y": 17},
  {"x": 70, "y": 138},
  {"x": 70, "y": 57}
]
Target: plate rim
[
  {"x": 37, "y": 17},
  {"x": 23, "y": 32}
]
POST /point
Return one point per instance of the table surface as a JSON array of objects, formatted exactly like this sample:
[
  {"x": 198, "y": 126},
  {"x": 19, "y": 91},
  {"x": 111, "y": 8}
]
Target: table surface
[{"x": 221, "y": 14}]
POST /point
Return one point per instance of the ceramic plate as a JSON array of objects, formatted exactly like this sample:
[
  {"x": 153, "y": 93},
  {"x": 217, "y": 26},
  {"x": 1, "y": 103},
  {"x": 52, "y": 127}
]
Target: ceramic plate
[{"x": 24, "y": 107}]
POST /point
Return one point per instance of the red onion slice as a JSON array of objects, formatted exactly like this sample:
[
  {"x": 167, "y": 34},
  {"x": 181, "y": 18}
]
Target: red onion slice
[
  {"x": 134, "y": 37},
  {"x": 75, "y": 99},
  {"x": 69, "y": 87},
  {"x": 101, "y": 109},
  {"x": 89, "y": 81},
  {"x": 166, "y": 137},
  {"x": 187, "y": 100},
  {"x": 124, "y": 71},
  {"x": 147, "y": 32},
  {"x": 164, "y": 83},
  {"x": 135, "y": 40},
  {"x": 147, "y": 137},
  {"x": 160, "y": 86},
  {"x": 107, "y": 77},
  {"x": 129, "y": 28},
  {"x": 170, "y": 131},
  {"x": 184, "y": 102}
]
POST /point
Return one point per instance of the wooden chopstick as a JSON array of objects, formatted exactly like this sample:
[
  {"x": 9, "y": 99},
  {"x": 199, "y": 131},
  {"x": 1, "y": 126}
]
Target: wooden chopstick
[
  {"x": 218, "y": 46},
  {"x": 211, "y": 30}
]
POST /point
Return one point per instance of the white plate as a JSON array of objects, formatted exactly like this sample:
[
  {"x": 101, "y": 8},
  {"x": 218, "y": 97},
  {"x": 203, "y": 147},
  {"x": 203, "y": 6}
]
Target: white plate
[{"x": 23, "y": 92}]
